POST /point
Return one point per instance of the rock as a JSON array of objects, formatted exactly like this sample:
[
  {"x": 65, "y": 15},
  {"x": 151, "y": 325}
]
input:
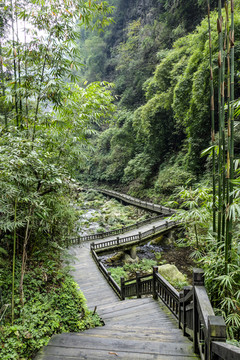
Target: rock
[
  {"x": 171, "y": 272},
  {"x": 118, "y": 256},
  {"x": 129, "y": 260},
  {"x": 157, "y": 240},
  {"x": 133, "y": 252}
]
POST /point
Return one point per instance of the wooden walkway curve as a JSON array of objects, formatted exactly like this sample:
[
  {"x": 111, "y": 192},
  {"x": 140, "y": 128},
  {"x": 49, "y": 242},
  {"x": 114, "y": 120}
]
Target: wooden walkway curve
[{"x": 134, "y": 329}]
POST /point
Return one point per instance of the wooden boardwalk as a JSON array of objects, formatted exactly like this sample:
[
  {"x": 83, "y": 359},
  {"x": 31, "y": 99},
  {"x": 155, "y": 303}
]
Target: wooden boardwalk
[{"x": 134, "y": 329}]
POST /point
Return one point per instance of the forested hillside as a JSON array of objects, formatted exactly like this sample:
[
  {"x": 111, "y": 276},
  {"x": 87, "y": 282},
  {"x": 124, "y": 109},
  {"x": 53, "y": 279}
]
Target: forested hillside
[
  {"x": 173, "y": 135},
  {"x": 157, "y": 54}
]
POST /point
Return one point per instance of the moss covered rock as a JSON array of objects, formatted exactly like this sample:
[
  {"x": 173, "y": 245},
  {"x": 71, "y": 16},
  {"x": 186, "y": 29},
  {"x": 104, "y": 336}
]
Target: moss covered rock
[{"x": 171, "y": 273}]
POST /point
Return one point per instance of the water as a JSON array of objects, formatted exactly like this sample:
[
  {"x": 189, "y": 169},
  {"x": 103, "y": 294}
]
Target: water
[
  {"x": 85, "y": 225},
  {"x": 148, "y": 251}
]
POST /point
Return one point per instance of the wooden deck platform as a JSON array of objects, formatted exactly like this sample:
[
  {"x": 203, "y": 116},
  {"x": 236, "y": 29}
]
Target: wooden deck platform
[{"x": 134, "y": 329}]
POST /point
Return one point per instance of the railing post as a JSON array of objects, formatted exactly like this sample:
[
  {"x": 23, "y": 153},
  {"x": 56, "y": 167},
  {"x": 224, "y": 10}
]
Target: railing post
[
  {"x": 198, "y": 280},
  {"x": 216, "y": 332},
  {"x": 118, "y": 240},
  {"x": 140, "y": 235},
  {"x": 179, "y": 309},
  {"x": 186, "y": 290},
  {"x": 198, "y": 277},
  {"x": 122, "y": 288},
  {"x": 92, "y": 246},
  {"x": 155, "y": 271},
  {"x": 138, "y": 285}
]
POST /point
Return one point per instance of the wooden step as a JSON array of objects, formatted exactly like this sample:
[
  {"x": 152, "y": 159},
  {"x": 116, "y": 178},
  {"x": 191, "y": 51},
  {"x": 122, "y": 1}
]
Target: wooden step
[
  {"x": 88, "y": 354},
  {"x": 138, "y": 329},
  {"x": 160, "y": 336},
  {"x": 74, "y": 345},
  {"x": 135, "y": 328}
]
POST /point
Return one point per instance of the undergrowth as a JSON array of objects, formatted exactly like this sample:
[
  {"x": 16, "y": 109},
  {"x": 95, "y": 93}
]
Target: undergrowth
[
  {"x": 144, "y": 267},
  {"x": 52, "y": 304}
]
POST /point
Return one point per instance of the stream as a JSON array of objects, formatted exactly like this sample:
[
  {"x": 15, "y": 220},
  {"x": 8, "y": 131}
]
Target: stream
[
  {"x": 86, "y": 223},
  {"x": 110, "y": 214}
]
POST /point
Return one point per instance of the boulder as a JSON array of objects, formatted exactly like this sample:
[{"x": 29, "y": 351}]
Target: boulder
[
  {"x": 171, "y": 272},
  {"x": 129, "y": 260},
  {"x": 116, "y": 257}
]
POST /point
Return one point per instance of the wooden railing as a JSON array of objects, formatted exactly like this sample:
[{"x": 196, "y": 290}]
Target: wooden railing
[
  {"x": 102, "y": 235},
  {"x": 141, "y": 236},
  {"x": 137, "y": 202},
  {"x": 191, "y": 307},
  {"x": 142, "y": 285},
  {"x": 166, "y": 292},
  {"x": 106, "y": 273}
]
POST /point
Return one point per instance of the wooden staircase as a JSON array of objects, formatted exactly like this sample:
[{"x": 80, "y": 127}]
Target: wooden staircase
[
  {"x": 141, "y": 328},
  {"x": 134, "y": 329}
]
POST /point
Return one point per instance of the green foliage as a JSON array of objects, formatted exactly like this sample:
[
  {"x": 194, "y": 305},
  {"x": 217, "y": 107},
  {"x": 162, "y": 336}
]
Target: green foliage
[
  {"x": 144, "y": 266},
  {"x": 171, "y": 176},
  {"x": 139, "y": 168},
  {"x": 105, "y": 214},
  {"x": 45, "y": 122},
  {"x": 115, "y": 147},
  {"x": 195, "y": 212},
  {"x": 117, "y": 273},
  {"x": 133, "y": 61},
  {"x": 175, "y": 117},
  {"x": 223, "y": 288},
  {"x": 128, "y": 271},
  {"x": 53, "y": 304}
]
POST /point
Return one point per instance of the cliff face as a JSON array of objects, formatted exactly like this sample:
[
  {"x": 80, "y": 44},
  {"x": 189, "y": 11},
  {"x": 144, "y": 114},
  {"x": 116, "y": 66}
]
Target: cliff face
[
  {"x": 144, "y": 9},
  {"x": 130, "y": 10},
  {"x": 127, "y": 11}
]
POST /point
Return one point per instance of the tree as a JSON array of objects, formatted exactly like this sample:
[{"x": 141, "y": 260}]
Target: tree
[{"x": 45, "y": 120}]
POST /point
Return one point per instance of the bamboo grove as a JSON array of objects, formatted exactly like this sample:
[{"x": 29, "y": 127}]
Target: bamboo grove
[
  {"x": 223, "y": 181},
  {"x": 39, "y": 60}
]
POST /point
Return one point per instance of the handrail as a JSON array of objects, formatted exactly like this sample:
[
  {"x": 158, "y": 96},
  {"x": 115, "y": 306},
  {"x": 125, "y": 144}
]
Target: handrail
[
  {"x": 166, "y": 292},
  {"x": 225, "y": 351},
  {"x": 138, "y": 202},
  {"x": 134, "y": 201},
  {"x": 133, "y": 238},
  {"x": 191, "y": 307},
  {"x": 122, "y": 230},
  {"x": 106, "y": 273}
]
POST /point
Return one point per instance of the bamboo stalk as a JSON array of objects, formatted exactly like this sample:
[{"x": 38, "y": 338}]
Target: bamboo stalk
[
  {"x": 14, "y": 259},
  {"x": 223, "y": 135},
  {"x": 212, "y": 120},
  {"x": 26, "y": 72},
  {"x": 18, "y": 66},
  {"x": 14, "y": 66},
  {"x": 229, "y": 138},
  {"x": 39, "y": 92},
  {"x": 220, "y": 182},
  {"x": 230, "y": 223},
  {"x": 24, "y": 256},
  {"x": 3, "y": 84}
]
